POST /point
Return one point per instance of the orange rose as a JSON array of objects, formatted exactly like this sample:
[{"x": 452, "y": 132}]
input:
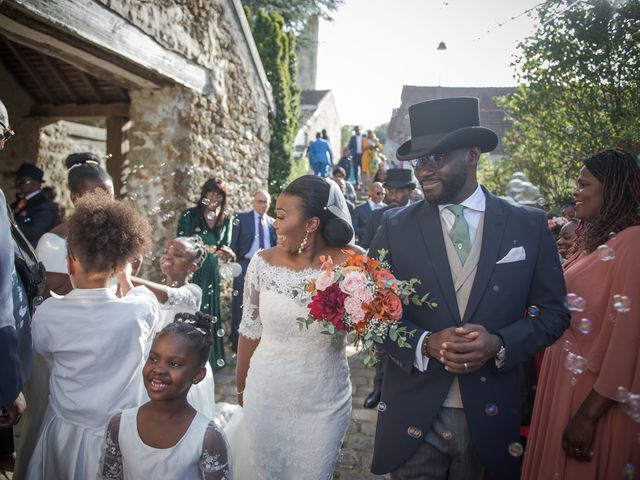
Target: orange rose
[
  {"x": 382, "y": 277},
  {"x": 393, "y": 305}
]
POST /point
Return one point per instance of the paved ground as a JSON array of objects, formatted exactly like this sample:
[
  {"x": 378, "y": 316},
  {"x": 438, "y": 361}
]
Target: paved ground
[{"x": 357, "y": 449}]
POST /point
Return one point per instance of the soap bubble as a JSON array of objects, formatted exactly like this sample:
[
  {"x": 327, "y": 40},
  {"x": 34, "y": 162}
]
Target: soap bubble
[
  {"x": 622, "y": 394},
  {"x": 205, "y": 201},
  {"x": 225, "y": 272},
  {"x": 567, "y": 346},
  {"x": 211, "y": 216},
  {"x": 220, "y": 332},
  {"x": 584, "y": 326},
  {"x": 236, "y": 293},
  {"x": 573, "y": 381},
  {"x": 236, "y": 221},
  {"x": 570, "y": 129},
  {"x": 483, "y": 379},
  {"x": 515, "y": 449},
  {"x": 220, "y": 362},
  {"x": 541, "y": 202},
  {"x": 496, "y": 288},
  {"x": 447, "y": 435},
  {"x": 576, "y": 364},
  {"x": 382, "y": 406},
  {"x": 605, "y": 253},
  {"x": 236, "y": 269},
  {"x": 491, "y": 409},
  {"x": 632, "y": 407},
  {"x": 621, "y": 303},
  {"x": 214, "y": 319},
  {"x": 533, "y": 311},
  {"x": 574, "y": 302}
]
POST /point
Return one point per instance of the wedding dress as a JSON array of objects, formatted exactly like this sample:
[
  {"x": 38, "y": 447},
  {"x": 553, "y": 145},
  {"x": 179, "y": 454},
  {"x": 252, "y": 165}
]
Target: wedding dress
[{"x": 297, "y": 397}]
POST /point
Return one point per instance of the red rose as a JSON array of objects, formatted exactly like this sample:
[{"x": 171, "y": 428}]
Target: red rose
[
  {"x": 393, "y": 304},
  {"x": 328, "y": 304}
]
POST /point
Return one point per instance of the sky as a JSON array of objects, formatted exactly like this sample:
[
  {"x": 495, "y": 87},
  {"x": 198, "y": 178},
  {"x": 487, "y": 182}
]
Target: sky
[{"x": 373, "y": 47}]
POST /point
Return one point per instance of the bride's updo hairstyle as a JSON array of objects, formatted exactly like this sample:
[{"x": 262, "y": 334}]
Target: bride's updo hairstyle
[{"x": 313, "y": 194}]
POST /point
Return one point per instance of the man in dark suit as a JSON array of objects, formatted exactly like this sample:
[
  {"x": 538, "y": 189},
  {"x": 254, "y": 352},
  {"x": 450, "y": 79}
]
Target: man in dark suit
[
  {"x": 252, "y": 231},
  {"x": 355, "y": 147},
  {"x": 450, "y": 403},
  {"x": 35, "y": 214},
  {"x": 362, "y": 213},
  {"x": 399, "y": 184}
]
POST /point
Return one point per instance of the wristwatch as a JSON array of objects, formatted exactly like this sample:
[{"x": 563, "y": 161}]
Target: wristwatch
[
  {"x": 500, "y": 357},
  {"x": 425, "y": 344}
]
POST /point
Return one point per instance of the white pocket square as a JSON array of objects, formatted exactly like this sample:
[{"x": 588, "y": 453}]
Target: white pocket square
[{"x": 516, "y": 254}]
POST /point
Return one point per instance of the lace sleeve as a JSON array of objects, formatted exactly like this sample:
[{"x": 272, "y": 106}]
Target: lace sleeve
[
  {"x": 215, "y": 461},
  {"x": 188, "y": 295},
  {"x": 251, "y": 326},
  {"x": 111, "y": 460}
]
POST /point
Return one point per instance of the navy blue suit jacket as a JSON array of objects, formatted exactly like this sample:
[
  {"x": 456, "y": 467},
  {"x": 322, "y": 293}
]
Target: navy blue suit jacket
[
  {"x": 244, "y": 232},
  {"x": 361, "y": 216},
  {"x": 37, "y": 218},
  {"x": 499, "y": 297}
]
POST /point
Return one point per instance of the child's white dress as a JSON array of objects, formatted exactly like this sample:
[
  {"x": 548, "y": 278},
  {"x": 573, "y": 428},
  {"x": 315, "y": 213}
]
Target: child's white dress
[
  {"x": 186, "y": 299},
  {"x": 202, "y": 452},
  {"x": 95, "y": 344}
]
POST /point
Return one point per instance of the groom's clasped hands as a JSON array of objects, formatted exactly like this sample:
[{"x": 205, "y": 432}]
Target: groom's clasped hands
[{"x": 463, "y": 349}]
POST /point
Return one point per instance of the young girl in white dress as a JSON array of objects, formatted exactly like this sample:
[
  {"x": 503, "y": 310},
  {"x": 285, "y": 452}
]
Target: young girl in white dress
[
  {"x": 93, "y": 340},
  {"x": 182, "y": 256},
  {"x": 166, "y": 437}
]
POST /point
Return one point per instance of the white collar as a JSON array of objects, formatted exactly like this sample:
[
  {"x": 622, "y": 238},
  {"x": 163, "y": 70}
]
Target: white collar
[
  {"x": 32, "y": 194},
  {"x": 374, "y": 205},
  {"x": 256, "y": 215},
  {"x": 476, "y": 201}
]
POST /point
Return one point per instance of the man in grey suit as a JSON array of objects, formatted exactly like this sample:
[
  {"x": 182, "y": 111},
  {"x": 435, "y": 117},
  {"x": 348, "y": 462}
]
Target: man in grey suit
[
  {"x": 450, "y": 406},
  {"x": 362, "y": 213},
  {"x": 252, "y": 231}
]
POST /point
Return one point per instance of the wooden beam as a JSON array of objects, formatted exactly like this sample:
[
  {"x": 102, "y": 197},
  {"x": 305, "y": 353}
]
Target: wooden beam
[
  {"x": 92, "y": 23},
  {"x": 72, "y": 110},
  {"x": 93, "y": 86},
  {"x": 34, "y": 76},
  {"x": 115, "y": 141},
  {"x": 64, "y": 83}
]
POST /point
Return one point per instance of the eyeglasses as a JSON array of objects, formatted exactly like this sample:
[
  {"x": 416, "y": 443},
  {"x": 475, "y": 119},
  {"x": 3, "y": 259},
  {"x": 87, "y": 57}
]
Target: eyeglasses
[{"x": 434, "y": 161}]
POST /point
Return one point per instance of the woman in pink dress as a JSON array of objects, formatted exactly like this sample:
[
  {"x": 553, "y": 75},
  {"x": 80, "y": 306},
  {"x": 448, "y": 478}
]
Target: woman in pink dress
[{"x": 586, "y": 417}]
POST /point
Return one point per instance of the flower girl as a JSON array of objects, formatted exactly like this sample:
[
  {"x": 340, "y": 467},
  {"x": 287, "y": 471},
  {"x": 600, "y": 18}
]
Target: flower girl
[
  {"x": 93, "y": 340},
  {"x": 166, "y": 437},
  {"x": 181, "y": 257}
]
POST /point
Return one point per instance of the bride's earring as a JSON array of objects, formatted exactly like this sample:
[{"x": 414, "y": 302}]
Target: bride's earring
[{"x": 303, "y": 245}]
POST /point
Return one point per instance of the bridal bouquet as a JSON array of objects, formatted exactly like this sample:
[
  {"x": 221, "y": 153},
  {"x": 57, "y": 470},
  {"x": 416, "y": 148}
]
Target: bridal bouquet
[{"x": 361, "y": 297}]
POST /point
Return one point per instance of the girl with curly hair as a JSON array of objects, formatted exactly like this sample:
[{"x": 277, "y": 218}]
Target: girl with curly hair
[
  {"x": 182, "y": 256},
  {"x": 94, "y": 341},
  {"x": 209, "y": 221},
  {"x": 585, "y": 419}
]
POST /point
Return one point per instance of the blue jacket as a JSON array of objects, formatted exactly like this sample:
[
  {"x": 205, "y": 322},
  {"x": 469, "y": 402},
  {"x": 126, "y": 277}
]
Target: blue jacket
[{"x": 319, "y": 150}]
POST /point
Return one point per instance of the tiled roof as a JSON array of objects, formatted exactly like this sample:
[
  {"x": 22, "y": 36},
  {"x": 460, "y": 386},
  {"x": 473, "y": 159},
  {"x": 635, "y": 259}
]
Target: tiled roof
[
  {"x": 312, "y": 97},
  {"x": 491, "y": 116}
]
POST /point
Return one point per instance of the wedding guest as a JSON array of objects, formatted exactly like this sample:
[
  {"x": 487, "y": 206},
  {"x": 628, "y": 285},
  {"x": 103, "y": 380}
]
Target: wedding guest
[
  {"x": 349, "y": 191},
  {"x": 345, "y": 163},
  {"x": 370, "y": 157},
  {"x": 93, "y": 340},
  {"x": 84, "y": 175},
  {"x": 181, "y": 257},
  {"x": 209, "y": 220},
  {"x": 363, "y": 212},
  {"x": 569, "y": 210},
  {"x": 253, "y": 232},
  {"x": 567, "y": 237},
  {"x": 320, "y": 156},
  {"x": 355, "y": 147},
  {"x": 584, "y": 423},
  {"x": 35, "y": 214},
  {"x": 167, "y": 437}
]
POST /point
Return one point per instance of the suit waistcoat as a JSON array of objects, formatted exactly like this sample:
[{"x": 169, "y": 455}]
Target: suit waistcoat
[{"x": 463, "y": 277}]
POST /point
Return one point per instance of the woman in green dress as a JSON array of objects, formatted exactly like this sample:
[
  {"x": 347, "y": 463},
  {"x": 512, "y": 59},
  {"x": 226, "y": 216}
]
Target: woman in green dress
[{"x": 209, "y": 221}]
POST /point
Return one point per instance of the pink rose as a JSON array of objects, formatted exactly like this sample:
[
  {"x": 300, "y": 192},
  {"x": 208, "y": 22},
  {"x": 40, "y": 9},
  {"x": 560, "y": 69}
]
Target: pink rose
[
  {"x": 364, "y": 295},
  {"x": 353, "y": 307},
  {"x": 324, "y": 280},
  {"x": 353, "y": 282}
]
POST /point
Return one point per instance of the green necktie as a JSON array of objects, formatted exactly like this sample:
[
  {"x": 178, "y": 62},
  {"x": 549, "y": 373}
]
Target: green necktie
[{"x": 459, "y": 233}]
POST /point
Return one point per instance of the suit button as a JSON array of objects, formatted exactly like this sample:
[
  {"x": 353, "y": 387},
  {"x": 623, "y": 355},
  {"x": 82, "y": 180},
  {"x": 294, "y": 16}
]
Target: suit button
[{"x": 414, "y": 432}]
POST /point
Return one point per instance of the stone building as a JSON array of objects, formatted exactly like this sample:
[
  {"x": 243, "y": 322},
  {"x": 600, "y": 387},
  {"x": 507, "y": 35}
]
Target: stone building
[
  {"x": 318, "y": 111},
  {"x": 173, "y": 90},
  {"x": 491, "y": 116}
]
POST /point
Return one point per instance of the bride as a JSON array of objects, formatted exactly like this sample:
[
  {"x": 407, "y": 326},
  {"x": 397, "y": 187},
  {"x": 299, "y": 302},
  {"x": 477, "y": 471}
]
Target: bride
[{"x": 293, "y": 384}]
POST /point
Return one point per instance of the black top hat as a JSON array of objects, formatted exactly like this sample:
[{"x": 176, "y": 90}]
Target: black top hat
[
  {"x": 30, "y": 170},
  {"x": 442, "y": 125},
  {"x": 399, "y": 178}
]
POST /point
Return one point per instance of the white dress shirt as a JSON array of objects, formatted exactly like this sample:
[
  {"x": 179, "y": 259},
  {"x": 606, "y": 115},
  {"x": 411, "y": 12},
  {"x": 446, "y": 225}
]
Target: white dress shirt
[
  {"x": 255, "y": 246},
  {"x": 375, "y": 206},
  {"x": 358, "y": 144},
  {"x": 475, "y": 206}
]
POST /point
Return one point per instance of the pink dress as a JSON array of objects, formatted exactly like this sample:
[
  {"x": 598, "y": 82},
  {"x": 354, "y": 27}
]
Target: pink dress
[{"x": 609, "y": 340}]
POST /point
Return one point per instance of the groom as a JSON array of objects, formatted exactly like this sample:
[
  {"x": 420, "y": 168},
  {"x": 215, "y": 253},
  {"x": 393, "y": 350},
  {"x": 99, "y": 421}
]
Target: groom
[{"x": 450, "y": 403}]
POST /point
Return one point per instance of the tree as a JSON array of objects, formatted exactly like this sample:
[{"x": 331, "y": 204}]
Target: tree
[
  {"x": 295, "y": 13},
  {"x": 381, "y": 132},
  {"x": 579, "y": 91},
  {"x": 277, "y": 52}
]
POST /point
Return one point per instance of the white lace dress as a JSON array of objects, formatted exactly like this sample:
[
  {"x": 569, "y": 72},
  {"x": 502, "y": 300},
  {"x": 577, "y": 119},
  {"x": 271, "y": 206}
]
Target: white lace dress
[
  {"x": 201, "y": 453},
  {"x": 297, "y": 398}
]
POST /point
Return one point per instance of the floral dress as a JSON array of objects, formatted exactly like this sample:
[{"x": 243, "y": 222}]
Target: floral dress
[{"x": 207, "y": 277}]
